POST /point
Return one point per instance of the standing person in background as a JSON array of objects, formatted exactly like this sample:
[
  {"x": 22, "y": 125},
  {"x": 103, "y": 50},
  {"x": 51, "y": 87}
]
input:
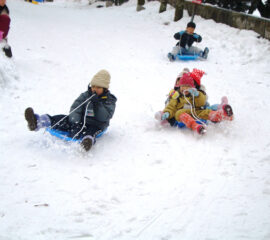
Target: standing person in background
[{"x": 4, "y": 28}]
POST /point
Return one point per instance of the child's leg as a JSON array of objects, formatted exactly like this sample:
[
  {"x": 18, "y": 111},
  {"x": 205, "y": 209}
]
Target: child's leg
[
  {"x": 225, "y": 113},
  {"x": 194, "y": 51},
  {"x": 35, "y": 121},
  {"x": 60, "y": 122},
  {"x": 89, "y": 136},
  {"x": 183, "y": 115},
  {"x": 175, "y": 50},
  {"x": 191, "y": 123}
]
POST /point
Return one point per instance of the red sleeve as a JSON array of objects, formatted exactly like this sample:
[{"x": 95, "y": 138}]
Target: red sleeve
[{"x": 4, "y": 24}]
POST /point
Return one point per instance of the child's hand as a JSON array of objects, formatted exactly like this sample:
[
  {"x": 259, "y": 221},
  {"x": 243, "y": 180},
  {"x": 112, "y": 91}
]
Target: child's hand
[
  {"x": 193, "y": 92},
  {"x": 94, "y": 99},
  {"x": 165, "y": 116}
]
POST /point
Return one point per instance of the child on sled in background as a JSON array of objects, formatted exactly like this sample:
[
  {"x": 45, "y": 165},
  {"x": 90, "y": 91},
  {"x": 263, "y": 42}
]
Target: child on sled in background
[
  {"x": 89, "y": 115},
  {"x": 4, "y": 28},
  {"x": 184, "y": 46},
  {"x": 190, "y": 105}
]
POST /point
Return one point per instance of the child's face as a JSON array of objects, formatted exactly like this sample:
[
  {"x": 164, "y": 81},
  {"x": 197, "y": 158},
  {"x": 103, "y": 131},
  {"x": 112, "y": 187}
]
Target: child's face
[
  {"x": 2, "y": 3},
  {"x": 190, "y": 30},
  {"x": 96, "y": 89},
  {"x": 184, "y": 88}
]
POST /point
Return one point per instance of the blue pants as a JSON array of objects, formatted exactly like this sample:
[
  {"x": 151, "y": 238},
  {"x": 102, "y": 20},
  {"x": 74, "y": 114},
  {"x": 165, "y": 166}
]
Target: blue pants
[{"x": 190, "y": 51}]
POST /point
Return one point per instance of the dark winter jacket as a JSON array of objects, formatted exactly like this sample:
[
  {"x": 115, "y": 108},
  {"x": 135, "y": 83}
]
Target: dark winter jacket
[
  {"x": 186, "y": 40},
  {"x": 97, "y": 114},
  {"x": 4, "y": 24},
  {"x": 4, "y": 8}
]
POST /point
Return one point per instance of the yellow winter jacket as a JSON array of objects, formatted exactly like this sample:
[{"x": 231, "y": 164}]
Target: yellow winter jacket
[{"x": 183, "y": 105}]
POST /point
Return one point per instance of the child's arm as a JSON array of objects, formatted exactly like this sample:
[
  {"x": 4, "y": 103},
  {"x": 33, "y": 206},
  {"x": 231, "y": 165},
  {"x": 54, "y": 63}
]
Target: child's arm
[
  {"x": 171, "y": 108},
  {"x": 178, "y": 35},
  {"x": 197, "y": 37},
  {"x": 105, "y": 110},
  {"x": 76, "y": 116}
]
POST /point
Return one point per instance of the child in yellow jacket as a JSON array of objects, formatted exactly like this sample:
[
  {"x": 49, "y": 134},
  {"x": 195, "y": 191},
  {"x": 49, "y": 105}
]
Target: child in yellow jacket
[{"x": 190, "y": 105}]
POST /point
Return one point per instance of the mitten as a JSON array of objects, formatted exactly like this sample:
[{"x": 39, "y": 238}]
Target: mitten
[
  {"x": 193, "y": 92},
  {"x": 95, "y": 99},
  {"x": 165, "y": 116}
]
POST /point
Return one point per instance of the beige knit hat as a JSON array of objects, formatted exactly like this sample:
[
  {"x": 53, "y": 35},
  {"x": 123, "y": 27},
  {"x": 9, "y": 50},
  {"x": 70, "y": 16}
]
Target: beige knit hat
[{"x": 101, "y": 79}]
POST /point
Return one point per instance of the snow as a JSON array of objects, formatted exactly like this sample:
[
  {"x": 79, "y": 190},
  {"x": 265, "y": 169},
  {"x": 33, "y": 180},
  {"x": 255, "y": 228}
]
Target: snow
[{"x": 140, "y": 181}]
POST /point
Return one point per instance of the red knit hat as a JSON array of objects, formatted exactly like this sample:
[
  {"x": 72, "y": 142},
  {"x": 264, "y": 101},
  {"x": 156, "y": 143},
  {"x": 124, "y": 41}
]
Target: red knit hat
[
  {"x": 186, "y": 79},
  {"x": 197, "y": 74}
]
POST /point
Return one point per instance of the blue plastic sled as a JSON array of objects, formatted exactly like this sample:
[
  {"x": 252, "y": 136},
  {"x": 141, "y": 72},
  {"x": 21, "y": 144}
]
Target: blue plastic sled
[
  {"x": 65, "y": 135},
  {"x": 187, "y": 57},
  {"x": 182, "y": 125}
]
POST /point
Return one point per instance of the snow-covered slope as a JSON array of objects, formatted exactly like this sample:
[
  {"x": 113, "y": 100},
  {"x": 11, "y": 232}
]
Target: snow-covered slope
[{"x": 140, "y": 181}]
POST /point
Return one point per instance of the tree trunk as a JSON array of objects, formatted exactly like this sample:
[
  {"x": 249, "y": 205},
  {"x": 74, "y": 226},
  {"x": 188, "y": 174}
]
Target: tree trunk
[
  {"x": 179, "y": 9},
  {"x": 163, "y": 6},
  {"x": 253, "y": 6},
  {"x": 140, "y": 5}
]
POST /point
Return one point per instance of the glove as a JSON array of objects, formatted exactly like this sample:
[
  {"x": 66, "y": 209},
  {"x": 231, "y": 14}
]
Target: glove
[
  {"x": 95, "y": 99},
  {"x": 193, "y": 92},
  {"x": 196, "y": 36},
  {"x": 164, "y": 116}
]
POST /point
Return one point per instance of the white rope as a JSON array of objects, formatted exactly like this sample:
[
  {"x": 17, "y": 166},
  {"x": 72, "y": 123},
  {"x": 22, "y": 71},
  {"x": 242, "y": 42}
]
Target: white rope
[
  {"x": 72, "y": 111},
  {"x": 194, "y": 115},
  {"x": 84, "y": 121}
]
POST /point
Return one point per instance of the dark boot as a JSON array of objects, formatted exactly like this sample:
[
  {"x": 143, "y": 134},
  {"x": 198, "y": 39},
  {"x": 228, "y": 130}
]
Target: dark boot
[
  {"x": 87, "y": 143},
  {"x": 31, "y": 119},
  {"x": 225, "y": 113},
  {"x": 35, "y": 121},
  {"x": 205, "y": 53},
  {"x": 171, "y": 57},
  {"x": 7, "y": 51},
  {"x": 228, "y": 112}
]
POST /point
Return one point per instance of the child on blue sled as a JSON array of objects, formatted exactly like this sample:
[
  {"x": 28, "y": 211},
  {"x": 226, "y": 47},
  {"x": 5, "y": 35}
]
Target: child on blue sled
[
  {"x": 89, "y": 115},
  {"x": 184, "y": 46},
  {"x": 187, "y": 102}
]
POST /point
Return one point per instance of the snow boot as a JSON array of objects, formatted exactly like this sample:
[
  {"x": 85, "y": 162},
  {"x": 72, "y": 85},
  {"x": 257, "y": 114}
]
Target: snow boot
[
  {"x": 227, "y": 109},
  {"x": 205, "y": 53},
  {"x": 191, "y": 123},
  {"x": 225, "y": 113},
  {"x": 30, "y": 118},
  {"x": 171, "y": 57},
  {"x": 7, "y": 51},
  {"x": 35, "y": 121},
  {"x": 87, "y": 142}
]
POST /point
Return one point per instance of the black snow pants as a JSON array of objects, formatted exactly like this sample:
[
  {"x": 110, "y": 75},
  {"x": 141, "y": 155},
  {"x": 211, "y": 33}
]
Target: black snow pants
[{"x": 74, "y": 129}]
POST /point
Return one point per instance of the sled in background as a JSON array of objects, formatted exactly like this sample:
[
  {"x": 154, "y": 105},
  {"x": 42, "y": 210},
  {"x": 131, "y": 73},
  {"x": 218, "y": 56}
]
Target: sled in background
[
  {"x": 34, "y": 1},
  {"x": 187, "y": 57}
]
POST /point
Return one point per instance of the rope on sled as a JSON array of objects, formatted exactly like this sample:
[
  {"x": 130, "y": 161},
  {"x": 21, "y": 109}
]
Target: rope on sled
[
  {"x": 72, "y": 111},
  {"x": 194, "y": 115},
  {"x": 84, "y": 121}
]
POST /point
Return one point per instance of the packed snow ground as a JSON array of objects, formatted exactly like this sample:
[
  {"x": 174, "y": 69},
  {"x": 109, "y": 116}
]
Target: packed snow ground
[{"x": 140, "y": 181}]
